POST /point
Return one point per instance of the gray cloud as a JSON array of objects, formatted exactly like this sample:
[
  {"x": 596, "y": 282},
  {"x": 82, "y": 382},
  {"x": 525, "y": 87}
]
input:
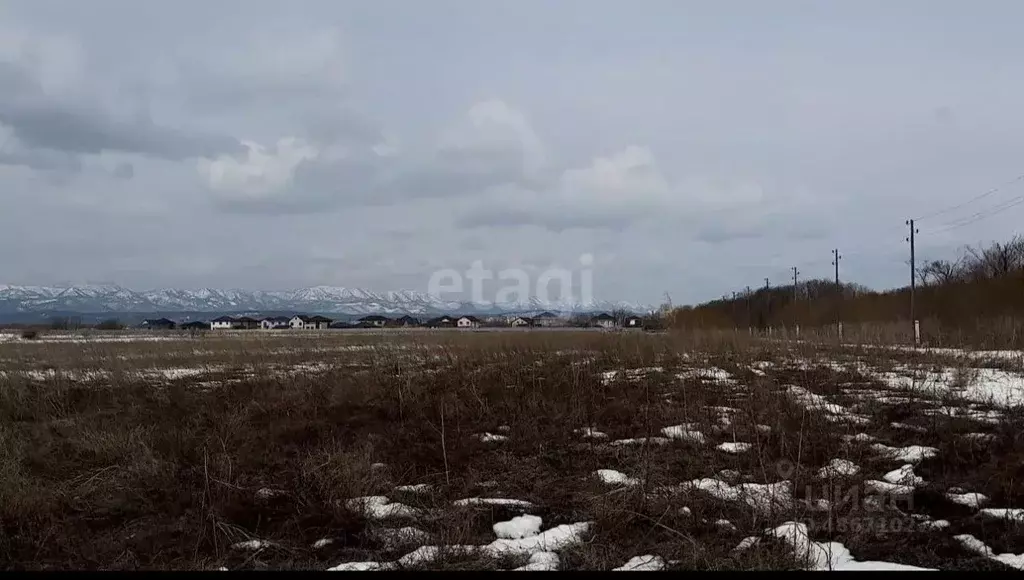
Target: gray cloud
[{"x": 384, "y": 148}]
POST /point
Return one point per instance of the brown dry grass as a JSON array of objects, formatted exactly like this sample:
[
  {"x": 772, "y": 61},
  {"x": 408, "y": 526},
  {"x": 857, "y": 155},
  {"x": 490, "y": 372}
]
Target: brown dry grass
[{"x": 128, "y": 471}]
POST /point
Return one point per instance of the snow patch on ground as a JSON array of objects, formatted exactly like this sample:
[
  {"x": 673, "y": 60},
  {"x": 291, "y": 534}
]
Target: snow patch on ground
[
  {"x": 379, "y": 507},
  {"x": 824, "y": 556},
  {"x": 647, "y": 563},
  {"x": 541, "y": 562},
  {"x": 418, "y": 488},
  {"x": 734, "y": 447},
  {"x": 904, "y": 476},
  {"x": 973, "y": 500},
  {"x": 491, "y": 438},
  {"x": 612, "y": 477},
  {"x": 639, "y": 441},
  {"x": 838, "y": 468},
  {"x": 1002, "y": 388},
  {"x": 975, "y": 545},
  {"x": 518, "y": 527},
  {"x": 763, "y": 498},
  {"x": 589, "y": 433},
  {"x": 908, "y": 454},
  {"x": 683, "y": 433},
  {"x": 501, "y": 501}
]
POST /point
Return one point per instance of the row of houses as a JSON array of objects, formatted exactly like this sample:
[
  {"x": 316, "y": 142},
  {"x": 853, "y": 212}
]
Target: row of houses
[{"x": 304, "y": 322}]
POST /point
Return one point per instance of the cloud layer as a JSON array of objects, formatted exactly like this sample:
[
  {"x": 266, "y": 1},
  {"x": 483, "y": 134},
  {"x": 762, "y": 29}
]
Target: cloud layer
[{"x": 691, "y": 149}]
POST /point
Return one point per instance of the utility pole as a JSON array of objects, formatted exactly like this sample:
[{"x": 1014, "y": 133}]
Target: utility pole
[
  {"x": 839, "y": 292},
  {"x": 913, "y": 283},
  {"x": 795, "y": 293}
]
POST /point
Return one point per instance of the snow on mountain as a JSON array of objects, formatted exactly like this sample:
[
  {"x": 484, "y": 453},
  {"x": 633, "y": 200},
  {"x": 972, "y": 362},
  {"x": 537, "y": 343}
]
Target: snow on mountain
[{"x": 324, "y": 299}]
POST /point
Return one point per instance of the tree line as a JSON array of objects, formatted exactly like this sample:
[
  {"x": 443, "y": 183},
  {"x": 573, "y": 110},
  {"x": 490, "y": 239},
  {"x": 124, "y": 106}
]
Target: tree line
[{"x": 978, "y": 287}]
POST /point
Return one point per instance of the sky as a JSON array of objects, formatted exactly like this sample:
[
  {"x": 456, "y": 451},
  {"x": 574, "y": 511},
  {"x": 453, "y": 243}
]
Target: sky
[{"x": 690, "y": 148}]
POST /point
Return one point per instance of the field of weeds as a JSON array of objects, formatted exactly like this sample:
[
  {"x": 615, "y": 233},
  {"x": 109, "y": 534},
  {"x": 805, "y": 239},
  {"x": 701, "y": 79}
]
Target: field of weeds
[{"x": 530, "y": 450}]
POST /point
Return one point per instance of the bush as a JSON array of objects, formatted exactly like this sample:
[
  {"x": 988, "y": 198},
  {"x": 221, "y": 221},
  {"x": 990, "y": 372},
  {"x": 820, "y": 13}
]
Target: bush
[{"x": 29, "y": 334}]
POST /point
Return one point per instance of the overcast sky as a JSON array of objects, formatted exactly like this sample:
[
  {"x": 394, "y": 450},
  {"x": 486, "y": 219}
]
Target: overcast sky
[{"x": 691, "y": 147}]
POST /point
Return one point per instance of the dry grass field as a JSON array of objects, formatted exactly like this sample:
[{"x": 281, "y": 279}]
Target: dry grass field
[{"x": 534, "y": 450}]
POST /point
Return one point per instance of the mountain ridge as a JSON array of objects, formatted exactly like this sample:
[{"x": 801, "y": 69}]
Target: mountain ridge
[{"x": 98, "y": 298}]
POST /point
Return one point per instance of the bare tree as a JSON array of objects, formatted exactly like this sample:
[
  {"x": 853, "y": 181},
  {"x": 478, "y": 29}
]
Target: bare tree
[{"x": 939, "y": 272}]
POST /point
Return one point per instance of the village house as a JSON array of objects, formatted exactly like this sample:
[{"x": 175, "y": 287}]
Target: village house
[
  {"x": 158, "y": 324},
  {"x": 441, "y": 322},
  {"x": 223, "y": 323},
  {"x": 521, "y": 321},
  {"x": 547, "y": 319},
  {"x": 274, "y": 322},
  {"x": 303, "y": 322},
  {"x": 603, "y": 320},
  {"x": 373, "y": 320},
  {"x": 468, "y": 322},
  {"x": 246, "y": 323},
  {"x": 196, "y": 325},
  {"x": 407, "y": 321},
  {"x": 633, "y": 322}
]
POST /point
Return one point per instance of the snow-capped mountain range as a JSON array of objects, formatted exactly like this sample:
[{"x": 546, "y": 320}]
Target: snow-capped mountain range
[{"x": 317, "y": 299}]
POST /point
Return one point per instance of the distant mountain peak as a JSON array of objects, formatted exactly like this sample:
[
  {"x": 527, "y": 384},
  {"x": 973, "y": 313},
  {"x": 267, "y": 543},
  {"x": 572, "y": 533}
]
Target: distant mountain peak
[{"x": 98, "y": 298}]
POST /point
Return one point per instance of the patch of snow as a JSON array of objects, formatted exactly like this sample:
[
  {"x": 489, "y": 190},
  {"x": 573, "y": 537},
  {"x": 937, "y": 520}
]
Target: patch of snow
[
  {"x": 681, "y": 433},
  {"x": 859, "y": 438},
  {"x": 747, "y": 543},
  {"x": 886, "y": 488},
  {"x": 541, "y": 562},
  {"x": 763, "y": 498},
  {"x": 359, "y": 567},
  {"x": 589, "y": 433},
  {"x": 934, "y": 524},
  {"x": 734, "y": 447},
  {"x": 266, "y": 493},
  {"x": 491, "y": 438},
  {"x": 981, "y": 548},
  {"x": 504, "y": 429},
  {"x": 322, "y": 543},
  {"x": 1002, "y": 388},
  {"x": 612, "y": 477},
  {"x": 502, "y": 501},
  {"x": 518, "y": 527},
  {"x": 379, "y": 507},
  {"x": 647, "y": 563},
  {"x": 838, "y": 468},
  {"x": 973, "y": 500},
  {"x": 825, "y": 556},
  {"x": 908, "y": 454},
  {"x": 553, "y": 540},
  {"x": 832, "y": 411},
  {"x": 725, "y": 525},
  {"x": 639, "y": 441},
  {"x": 908, "y": 427},
  {"x": 904, "y": 476},
  {"x": 1012, "y": 514},
  {"x": 763, "y": 429},
  {"x": 252, "y": 545},
  {"x": 979, "y": 437},
  {"x": 418, "y": 488}
]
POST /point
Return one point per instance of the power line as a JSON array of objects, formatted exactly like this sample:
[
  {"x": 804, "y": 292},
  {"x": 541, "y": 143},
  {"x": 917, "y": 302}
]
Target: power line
[
  {"x": 973, "y": 199},
  {"x": 995, "y": 210}
]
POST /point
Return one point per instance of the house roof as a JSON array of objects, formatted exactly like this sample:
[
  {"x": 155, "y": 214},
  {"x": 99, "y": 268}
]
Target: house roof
[
  {"x": 523, "y": 318},
  {"x": 319, "y": 319},
  {"x": 276, "y": 319},
  {"x": 373, "y": 318},
  {"x": 245, "y": 319},
  {"x": 604, "y": 316},
  {"x": 224, "y": 319},
  {"x": 470, "y": 318},
  {"x": 301, "y": 317},
  {"x": 407, "y": 317},
  {"x": 546, "y": 314},
  {"x": 196, "y": 324}
]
